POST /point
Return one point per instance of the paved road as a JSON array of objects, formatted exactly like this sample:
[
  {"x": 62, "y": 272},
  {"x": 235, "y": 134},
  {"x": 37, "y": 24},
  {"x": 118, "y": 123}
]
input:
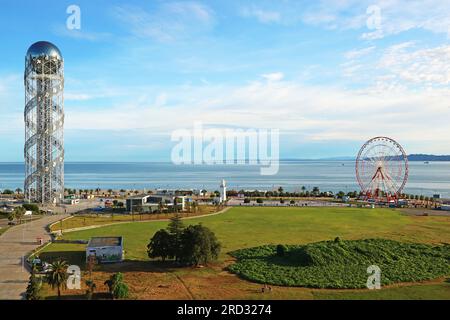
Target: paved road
[{"x": 14, "y": 245}]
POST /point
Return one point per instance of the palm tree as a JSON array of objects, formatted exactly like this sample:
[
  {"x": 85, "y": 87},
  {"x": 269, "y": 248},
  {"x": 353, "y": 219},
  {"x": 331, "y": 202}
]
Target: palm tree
[{"x": 57, "y": 275}]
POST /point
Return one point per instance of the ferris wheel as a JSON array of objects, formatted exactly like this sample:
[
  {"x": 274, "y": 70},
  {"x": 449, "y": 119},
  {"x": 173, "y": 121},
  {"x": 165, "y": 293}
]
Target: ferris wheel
[{"x": 382, "y": 168}]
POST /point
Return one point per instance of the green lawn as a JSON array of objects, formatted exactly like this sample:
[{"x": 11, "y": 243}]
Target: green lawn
[{"x": 249, "y": 227}]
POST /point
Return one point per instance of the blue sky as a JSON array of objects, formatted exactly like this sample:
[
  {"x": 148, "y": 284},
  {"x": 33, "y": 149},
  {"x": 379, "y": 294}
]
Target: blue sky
[{"x": 328, "y": 74}]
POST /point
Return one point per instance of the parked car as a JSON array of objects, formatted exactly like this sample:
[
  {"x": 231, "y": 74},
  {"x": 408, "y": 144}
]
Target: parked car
[{"x": 11, "y": 223}]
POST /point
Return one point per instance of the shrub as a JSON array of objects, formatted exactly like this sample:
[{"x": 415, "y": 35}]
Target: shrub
[
  {"x": 281, "y": 250},
  {"x": 327, "y": 265},
  {"x": 117, "y": 288}
]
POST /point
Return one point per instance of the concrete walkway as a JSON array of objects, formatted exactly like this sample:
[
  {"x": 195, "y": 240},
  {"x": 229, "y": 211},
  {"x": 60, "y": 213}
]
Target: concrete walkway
[{"x": 15, "y": 244}]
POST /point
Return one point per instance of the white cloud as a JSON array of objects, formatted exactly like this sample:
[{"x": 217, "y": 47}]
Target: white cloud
[
  {"x": 169, "y": 22},
  {"x": 425, "y": 66},
  {"x": 358, "y": 53},
  {"x": 315, "y": 113},
  {"x": 81, "y": 34},
  {"x": 276, "y": 76},
  {"x": 263, "y": 16},
  {"x": 397, "y": 16}
]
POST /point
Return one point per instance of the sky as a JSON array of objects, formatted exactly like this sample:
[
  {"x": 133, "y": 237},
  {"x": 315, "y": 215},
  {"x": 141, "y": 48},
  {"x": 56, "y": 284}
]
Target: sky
[{"x": 329, "y": 75}]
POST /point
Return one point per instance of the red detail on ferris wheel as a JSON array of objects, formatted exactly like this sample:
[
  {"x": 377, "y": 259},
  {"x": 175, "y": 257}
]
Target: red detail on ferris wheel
[{"x": 382, "y": 168}]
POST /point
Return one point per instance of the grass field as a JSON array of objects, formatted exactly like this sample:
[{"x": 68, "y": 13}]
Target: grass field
[
  {"x": 85, "y": 220},
  {"x": 248, "y": 227}
]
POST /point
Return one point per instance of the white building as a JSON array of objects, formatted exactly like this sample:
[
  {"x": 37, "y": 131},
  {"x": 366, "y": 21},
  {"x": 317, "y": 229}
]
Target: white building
[
  {"x": 223, "y": 191},
  {"x": 105, "y": 249}
]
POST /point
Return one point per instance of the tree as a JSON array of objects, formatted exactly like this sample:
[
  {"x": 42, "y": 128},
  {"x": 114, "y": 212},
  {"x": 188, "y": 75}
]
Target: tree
[
  {"x": 176, "y": 225},
  {"x": 175, "y": 230},
  {"x": 57, "y": 276},
  {"x": 18, "y": 191},
  {"x": 19, "y": 213},
  {"x": 11, "y": 216},
  {"x": 160, "y": 245},
  {"x": 199, "y": 245},
  {"x": 34, "y": 287},
  {"x": 117, "y": 288},
  {"x": 280, "y": 190}
]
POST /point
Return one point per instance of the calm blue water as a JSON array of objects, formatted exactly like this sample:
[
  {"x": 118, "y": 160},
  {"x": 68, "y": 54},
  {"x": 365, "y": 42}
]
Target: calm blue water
[{"x": 424, "y": 179}]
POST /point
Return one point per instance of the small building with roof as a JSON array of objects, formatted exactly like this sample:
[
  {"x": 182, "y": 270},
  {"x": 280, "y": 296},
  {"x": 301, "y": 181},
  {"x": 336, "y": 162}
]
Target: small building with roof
[{"x": 105, "y": 249}]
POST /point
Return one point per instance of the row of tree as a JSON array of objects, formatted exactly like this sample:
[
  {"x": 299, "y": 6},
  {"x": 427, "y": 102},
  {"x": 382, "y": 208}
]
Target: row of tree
[
  {"x": 192, "y": 245},
  {"x": 9, "y": 191}
]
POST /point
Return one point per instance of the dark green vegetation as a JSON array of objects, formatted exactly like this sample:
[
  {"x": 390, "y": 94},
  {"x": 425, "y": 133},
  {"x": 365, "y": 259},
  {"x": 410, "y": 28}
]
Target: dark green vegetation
[
  {"x": 342, "y": 264},
  {"x": 57, "y": 276},
  {"x": 193, "y": 245},
  {"x": 117, "y": 288},
  {"x": 34, "y": 287}
]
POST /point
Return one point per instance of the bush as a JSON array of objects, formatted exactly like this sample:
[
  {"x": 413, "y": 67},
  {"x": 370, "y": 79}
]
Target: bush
[
  {"x": 120, "y": 291},
  {"x": 281, "y": 250},
  {"x": 259, "y": 200},
  {"x": 341, "y": 264},
  {"x": 117, "y": 288},
  {"x": 246, "y": 200}
]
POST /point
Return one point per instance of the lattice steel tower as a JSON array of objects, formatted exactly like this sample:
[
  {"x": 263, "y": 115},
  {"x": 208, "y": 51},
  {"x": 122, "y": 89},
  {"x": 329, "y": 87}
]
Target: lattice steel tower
[{"x": 44, "y": 122}]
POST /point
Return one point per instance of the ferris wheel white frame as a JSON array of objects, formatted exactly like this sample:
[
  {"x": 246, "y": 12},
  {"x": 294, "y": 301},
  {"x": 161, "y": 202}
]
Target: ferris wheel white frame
[{"x": 382, "y": 168}]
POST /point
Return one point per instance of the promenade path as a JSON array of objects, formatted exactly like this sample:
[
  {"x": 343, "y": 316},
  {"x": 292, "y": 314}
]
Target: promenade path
[{"x": 15, "y": 244}]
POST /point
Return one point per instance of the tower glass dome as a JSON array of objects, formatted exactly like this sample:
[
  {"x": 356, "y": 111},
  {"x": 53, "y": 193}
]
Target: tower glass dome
[{"x": 44, "y": 48}]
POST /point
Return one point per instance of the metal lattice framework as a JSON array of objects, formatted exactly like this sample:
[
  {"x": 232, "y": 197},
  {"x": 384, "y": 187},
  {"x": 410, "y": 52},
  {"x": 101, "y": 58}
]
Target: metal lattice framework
[
  {"x": 382, "y": 168},
  {"x": 44, "y": 122}
]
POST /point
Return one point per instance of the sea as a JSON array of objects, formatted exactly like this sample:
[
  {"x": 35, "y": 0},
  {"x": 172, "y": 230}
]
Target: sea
[{"x": 329, "y": 175}]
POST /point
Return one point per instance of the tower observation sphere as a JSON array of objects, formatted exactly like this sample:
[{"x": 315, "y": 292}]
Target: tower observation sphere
[{"x": 44, "y": 123}]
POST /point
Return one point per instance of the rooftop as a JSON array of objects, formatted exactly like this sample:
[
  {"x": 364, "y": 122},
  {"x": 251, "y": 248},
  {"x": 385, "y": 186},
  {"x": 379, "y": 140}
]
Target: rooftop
[{"x": 105, "y": 242}]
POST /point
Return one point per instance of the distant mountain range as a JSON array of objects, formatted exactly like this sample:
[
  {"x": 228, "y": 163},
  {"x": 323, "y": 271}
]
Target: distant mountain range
[
  {"x": 411, "y": 157},
  {"x": 428, "y": 157}
]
